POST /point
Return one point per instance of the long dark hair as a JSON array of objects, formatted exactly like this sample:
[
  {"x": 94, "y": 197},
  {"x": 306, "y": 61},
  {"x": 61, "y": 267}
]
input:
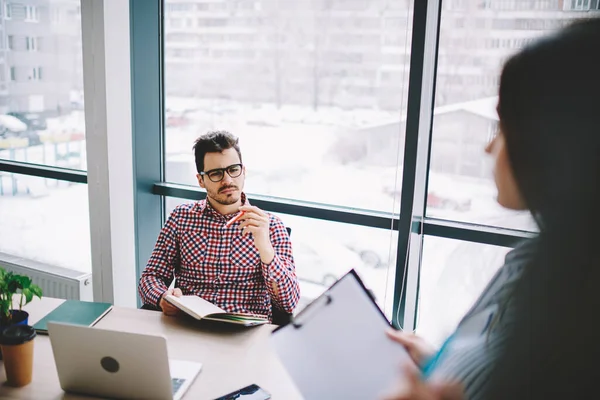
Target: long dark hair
[{"x": 549, "y": 107}]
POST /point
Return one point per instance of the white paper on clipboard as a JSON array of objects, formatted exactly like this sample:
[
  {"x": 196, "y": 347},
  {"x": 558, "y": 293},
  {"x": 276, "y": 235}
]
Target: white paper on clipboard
[{"x": 336, "y": 348}]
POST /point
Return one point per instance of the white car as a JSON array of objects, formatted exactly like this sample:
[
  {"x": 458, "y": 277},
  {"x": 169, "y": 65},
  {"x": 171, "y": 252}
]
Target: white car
[{"x": 322, "y": 261}]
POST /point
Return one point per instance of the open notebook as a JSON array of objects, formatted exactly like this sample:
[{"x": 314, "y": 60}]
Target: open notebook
[{"x": 199, "y": 308}]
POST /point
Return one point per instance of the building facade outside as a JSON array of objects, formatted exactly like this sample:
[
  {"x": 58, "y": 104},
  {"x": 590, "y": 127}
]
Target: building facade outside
[{"x": 41, "y": 68}]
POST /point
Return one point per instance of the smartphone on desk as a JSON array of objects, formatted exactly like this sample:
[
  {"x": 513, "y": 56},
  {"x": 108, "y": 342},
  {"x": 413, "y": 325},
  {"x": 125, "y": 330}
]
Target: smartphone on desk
[{"x": 250, "y": 392}]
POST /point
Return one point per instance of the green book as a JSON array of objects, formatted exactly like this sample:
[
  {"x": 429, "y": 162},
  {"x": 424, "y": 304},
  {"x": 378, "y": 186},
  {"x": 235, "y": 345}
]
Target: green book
[{"x": 76, "y": 312}]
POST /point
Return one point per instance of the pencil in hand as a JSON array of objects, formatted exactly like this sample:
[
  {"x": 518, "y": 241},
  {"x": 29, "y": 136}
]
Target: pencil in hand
[{"x": 234, "y": 219}]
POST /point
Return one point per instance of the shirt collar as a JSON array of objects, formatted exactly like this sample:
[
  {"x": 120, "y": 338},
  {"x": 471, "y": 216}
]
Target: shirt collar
[{"x": 203, "y": 206}]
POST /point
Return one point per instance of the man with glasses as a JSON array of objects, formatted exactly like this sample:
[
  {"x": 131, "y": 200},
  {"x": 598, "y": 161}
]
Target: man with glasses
[{"x": 241, "y": 266}]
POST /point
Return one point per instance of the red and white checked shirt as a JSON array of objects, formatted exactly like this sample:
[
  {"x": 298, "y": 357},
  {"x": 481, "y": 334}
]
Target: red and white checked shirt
[{"x": 218, "y": 264}]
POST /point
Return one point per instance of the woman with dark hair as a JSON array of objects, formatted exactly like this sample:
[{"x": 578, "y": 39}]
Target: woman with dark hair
[
  {"x": 550, "y": 113},
  {"x": 531, "y": 333}
]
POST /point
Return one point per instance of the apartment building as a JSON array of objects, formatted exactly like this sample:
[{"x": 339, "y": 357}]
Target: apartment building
[
  {"x": 346, "y": 53},
  {"x": 40, "y": 55}
]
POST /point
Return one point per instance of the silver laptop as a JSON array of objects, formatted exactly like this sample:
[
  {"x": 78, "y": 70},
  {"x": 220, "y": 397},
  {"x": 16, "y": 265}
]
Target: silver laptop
[{"x": 114, "y": 364}]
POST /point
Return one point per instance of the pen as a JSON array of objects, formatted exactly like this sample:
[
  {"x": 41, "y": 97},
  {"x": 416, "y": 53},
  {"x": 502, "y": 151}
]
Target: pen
[
  {"x": 430, "y": 365},
  {"x": 236, "y": 218}
]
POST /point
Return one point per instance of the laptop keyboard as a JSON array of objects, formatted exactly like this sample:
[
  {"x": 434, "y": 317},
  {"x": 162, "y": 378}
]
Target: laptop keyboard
[{"x": 177, "y": 382}]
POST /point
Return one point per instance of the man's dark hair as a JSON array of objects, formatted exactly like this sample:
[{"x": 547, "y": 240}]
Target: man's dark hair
[{"x": 214, "y": 142}]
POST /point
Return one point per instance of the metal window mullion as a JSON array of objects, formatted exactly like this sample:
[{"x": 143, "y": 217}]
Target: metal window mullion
[
  {"x": 147, "y": 112},
  {"x": 465, "y": 231},
  {"x": 43, "y": 171},
  {"x": 372, "y": 219},
  {"x": 421, "y": 90}
]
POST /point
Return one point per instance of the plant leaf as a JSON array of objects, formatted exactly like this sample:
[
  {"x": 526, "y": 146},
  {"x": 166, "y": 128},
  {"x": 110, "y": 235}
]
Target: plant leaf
[
  {"x": 28, "y": 295},
  {"x": 12, "y": 286},
  {"x": 24, "y": 281},
  {"x": 36, "y": 290}
]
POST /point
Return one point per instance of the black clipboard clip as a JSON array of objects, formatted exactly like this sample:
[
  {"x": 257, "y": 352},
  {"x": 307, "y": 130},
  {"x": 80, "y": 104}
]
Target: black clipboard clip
[{"x": 324, "y": 300}]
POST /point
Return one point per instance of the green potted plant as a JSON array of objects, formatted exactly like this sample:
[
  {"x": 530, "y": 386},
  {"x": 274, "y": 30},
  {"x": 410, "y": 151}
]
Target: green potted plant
[{"x": 11, "y": 284}]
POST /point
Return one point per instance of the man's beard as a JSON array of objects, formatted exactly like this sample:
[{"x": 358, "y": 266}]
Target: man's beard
[{"x": 225, "y": 200}]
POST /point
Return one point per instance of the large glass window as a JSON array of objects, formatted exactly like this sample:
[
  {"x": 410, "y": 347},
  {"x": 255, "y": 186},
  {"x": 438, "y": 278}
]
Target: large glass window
[
  {"x": 474, "y": 43},
  {"x": 317, "y": 93},
  {"x": 41, "y": 84},
  {"x": 314, "y": 90},
  {"x": 324, "y": 251},
  {"x": 45, "y": 220}
]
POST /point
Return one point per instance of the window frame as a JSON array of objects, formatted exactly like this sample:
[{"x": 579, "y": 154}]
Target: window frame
[
  {"x": 412, "y": 224},
  {"x": 146, "y": 19},
  {"x": 31, "y": 43},
  {"x": 31, "y": 13}
]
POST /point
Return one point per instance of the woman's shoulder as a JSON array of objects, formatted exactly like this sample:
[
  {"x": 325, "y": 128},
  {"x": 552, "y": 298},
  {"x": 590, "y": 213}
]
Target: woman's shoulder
[{"x": 520, "y": 256}]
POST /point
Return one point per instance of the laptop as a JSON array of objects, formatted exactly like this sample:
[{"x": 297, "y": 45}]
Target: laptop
[{"x": 115, "y": 364}]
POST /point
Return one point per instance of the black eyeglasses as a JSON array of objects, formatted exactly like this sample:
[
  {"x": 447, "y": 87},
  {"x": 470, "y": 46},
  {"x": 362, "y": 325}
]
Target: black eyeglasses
[{"x": 217, "y": 174}]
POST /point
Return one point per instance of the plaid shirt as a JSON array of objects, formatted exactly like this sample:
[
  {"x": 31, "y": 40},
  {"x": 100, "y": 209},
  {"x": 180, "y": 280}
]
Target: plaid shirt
[{"x": 218, "y": 264}]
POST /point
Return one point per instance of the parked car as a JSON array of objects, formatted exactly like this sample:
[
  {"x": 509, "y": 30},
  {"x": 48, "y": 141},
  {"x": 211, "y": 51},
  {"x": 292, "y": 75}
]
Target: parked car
[
  {"x": 444, "y": 192},
  {"x": 33, "y": 121},
  {"x": 373, "y": 254},
  {"x": 176, "y": 118},
  {"x": 322, "y": 261},
  {"x": 12, "y": 127},
  {"x": 448, "y": 192},
  {"x": 436, "y": 200}
]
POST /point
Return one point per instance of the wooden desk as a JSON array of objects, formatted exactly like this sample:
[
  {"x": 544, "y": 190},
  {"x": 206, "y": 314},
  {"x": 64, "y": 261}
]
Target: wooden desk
[{"x": 232, "y": 357}]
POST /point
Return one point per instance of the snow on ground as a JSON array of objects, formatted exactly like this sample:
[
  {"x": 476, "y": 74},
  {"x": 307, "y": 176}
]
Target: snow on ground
[{"x": 51, "y": 224}]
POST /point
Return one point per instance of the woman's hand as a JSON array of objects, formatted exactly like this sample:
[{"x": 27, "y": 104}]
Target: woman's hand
[
  {"x": 418, "y": 349},
  {"x": 412, "y": 387}
]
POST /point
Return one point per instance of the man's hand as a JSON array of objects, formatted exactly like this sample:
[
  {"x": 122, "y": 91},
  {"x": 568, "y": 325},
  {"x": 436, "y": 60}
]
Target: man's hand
[
  {"x": 418, "y": 349},
  {"x": 412, "y": 387},
  {"x": 256, "y": 222},
  {"x": 168, "y": 308}
]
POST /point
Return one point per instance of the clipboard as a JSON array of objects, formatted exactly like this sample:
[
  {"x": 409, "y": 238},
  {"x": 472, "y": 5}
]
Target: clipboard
[{"x": 336, "y": 348}]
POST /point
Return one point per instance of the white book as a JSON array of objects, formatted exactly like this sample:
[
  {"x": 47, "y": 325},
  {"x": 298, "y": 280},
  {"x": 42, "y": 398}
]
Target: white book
[{"x": 199, "y": 308}]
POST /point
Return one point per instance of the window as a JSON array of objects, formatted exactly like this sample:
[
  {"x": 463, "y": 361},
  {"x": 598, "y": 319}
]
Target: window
[
  {"x": 463, "y": 189},
  {"x": 58, "y": 120},
  {"x": 212, "y": 22},
  {"x": 546, "y": 5},
  {"x": 56, "y": 16},
  {"x": 330, "y": 85},
  {"x": 179, "y": 7},
  {"x": 31, "y": 43},
  {"x": 31, "y": 13},
  {"x": 579, "y": 5},
  {"x": 453, "y": 274},
  {"x": 313, "y": 95},
  {"x": 7, "y": 10},
  {"x": 37, "y": 74},
  {"x": 312, "y": 101},
  {"x": 43, "y": 219}
]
